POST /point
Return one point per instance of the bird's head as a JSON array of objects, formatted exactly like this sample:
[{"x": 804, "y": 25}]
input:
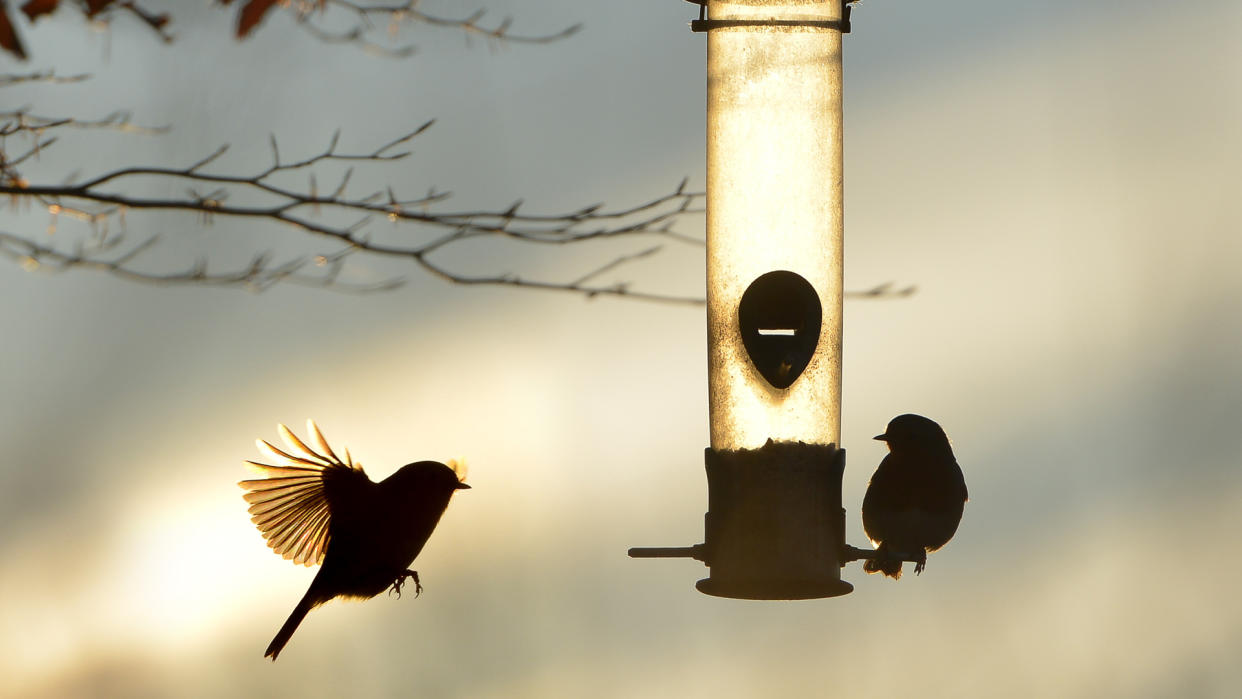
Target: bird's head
[
  {"x": 913, "y": 432},
  {"x": 427, "y": 477}
]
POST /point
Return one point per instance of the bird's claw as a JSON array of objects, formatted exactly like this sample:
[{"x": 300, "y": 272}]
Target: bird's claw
[
  {"x": 400, "y": 581},
  {"x": 921, "y": 563}
]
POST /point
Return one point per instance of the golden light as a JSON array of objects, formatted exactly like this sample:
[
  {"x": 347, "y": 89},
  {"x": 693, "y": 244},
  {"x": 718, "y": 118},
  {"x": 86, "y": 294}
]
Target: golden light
[{"x": 774, "y": 190}]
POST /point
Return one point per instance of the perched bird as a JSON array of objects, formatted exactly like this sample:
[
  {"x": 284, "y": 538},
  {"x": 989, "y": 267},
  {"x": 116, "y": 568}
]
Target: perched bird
[
  {"x": 915, "y": 499},
  {"x": 316, "y": 508}
]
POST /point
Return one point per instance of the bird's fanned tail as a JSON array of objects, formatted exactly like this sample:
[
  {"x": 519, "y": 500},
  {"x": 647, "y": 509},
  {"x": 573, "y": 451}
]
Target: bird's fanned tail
[{"x": 291, "y": 625}]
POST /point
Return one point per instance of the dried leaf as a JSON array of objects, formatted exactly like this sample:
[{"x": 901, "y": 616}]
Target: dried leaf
[
  {"x": 251, "y": 14},
  {"x": 37, "y": 8},
  {"x": 9, "y": 41}
]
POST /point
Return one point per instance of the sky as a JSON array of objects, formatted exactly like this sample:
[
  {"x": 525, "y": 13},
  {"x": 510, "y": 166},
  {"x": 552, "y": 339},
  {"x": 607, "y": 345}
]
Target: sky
[{"x": 1062, "y": 189}]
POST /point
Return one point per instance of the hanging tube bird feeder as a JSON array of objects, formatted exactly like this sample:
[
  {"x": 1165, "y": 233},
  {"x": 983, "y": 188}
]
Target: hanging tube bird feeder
[{"x": 774, "y": 528}]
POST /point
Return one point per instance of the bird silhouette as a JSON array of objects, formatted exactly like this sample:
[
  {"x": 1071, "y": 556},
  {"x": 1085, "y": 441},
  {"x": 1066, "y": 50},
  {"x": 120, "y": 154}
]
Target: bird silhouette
[
  {"x": 315, "y": 508},
  {"x": 915, "y": 499}
]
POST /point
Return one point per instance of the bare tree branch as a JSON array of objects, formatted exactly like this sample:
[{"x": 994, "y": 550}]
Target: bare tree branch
[
  {"x": 473, "y": 24},
  {"x": 104, "y": 197},
  {"x": 22, "y": 119},
  {"x": 41, "y": 77},
  {"x": 425, "y": 227},
  {"x": 372, "y": 27},
  {"x": 428, "y": 229},
  {"x": 312, "y": 17},
  {"x": 259, "y": 275},
  {"x": 883, "y": 291}
]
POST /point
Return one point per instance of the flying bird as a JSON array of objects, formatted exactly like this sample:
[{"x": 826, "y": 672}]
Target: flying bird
[
  {"x": 315, "y": 508},
  {"x": 915, "y": 499}
]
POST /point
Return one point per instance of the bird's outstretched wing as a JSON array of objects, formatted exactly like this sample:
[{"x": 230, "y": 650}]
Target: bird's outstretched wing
[{"x": 289, "y": 505}]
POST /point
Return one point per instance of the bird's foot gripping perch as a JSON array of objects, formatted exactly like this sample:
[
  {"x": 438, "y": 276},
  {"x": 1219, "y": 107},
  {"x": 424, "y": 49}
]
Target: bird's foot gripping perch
[
  {"x": 400, "y": 581},
  {"x": 920, "y": 561},
  {"x": 884, "y": 560}
]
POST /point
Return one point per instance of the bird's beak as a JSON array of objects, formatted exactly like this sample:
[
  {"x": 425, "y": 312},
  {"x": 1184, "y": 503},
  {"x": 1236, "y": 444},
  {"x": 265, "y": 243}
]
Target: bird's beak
[
  {"x": 881, "y": 437},
  {"x": 461, "y": 486}
]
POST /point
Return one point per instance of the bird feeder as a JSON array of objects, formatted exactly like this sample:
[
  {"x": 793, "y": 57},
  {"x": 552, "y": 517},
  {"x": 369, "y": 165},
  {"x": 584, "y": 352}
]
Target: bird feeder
[{"x": 774, "y": 528}]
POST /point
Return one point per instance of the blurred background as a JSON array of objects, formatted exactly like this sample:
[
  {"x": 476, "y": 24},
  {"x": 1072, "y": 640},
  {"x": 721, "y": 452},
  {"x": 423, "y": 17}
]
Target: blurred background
[{"x": 1062, "y": 184}]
